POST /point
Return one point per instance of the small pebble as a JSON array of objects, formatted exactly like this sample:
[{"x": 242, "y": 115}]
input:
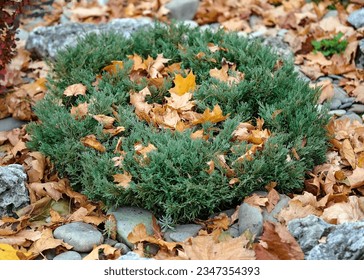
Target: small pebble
[
  {"x": 346, "y": 105},
  {"x": 70, "y": 255},
  {"x": 338, "y": 113},
  {"x": 124, "y": 249},
  {"x": 335, "y": 104}
]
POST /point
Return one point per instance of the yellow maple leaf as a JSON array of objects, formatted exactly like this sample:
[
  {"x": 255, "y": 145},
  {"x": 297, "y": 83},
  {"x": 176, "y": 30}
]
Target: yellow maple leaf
[
  {"x": 184, "y": 85},
  {"x": 213, "y": 116},
  {"x": 114, "y": 66},
  {"x": 7, "y": 252}
]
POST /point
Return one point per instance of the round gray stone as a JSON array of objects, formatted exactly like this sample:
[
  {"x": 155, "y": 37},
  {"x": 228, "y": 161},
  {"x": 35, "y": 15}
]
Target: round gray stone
[
  {"x": 356, "y": 18},
  {"x": 70, "y": 255},
  {"x": 127, "y": 218},
  {"x": 83, "y": 237},
  {"x": 124, "y": 249},
  {"x": 339, "y": 93},
  {"x": 335, "y": 104},
  {"x": 346, "y": 105},
  {"x": 182, "y": 232},
  {"x": 234, "y": 230},
  {"x": 250, "y": 218}
]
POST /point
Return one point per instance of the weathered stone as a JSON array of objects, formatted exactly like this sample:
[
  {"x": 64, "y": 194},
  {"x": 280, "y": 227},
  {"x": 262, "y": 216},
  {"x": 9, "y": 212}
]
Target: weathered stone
[
  {"x": 127, "y": 218},
  {"x": 335, "y": 104},
  {"x": 279, "y": 46},
  {"x": 357, "y": 108},
  {"x": 234, "y": 230},
  {"x": 359, "y": 60},
  {"x": 182, "y": 9},
  {"x": 346, "y": 105},
  {"x": 45, "y": 42},
  {"x": 13, "y": 193},
  {"x": 356, "y": 18},
  {"x": 182, "y": 232},
  {"x": 10, "y": 123},
  {"x": 308, "y": 231},
  {"x": 339, "y": 93},
  {"x": 250, "y": 218},
  {"x": 83, "y": 237},
  {"x": 69, "y": 255},
  {"x": 344, "y": 242}
]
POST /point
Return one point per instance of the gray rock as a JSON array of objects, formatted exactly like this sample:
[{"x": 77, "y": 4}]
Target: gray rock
[
  {"x": 70, "y": 255},
  {"x": 45, "y": 42},
  {"x": 356, "y": 18},
  {"x": 308, "y": 231},
  {"x": 346, "y": 105},
  {"x": 250, "y": 218},
  {"x": 132, "y": 256},
  {"x": 359, "y": 60},
  {"x": 339, "y": 93},
  {"x": 283, "y": 202},
  {"x": 110, "y": 242},
  {"x": 357, "y": 108},
  {"x": 182, "y": 9},
  {"x": 335, "y": 104},
  {"x": 338, "y": 113},
  {"x": 10, "y": 123},
  {"x": 124, "y": 249},
  {"x": 182, "y": 232},
  {"x": 83, "y": 237},
  {"x": 344, "y": 242},
  {"x": 234, "y": 230},
  {"x": 13, "y": 193},
  {"x": 129, "y": 217},
  {"x": 352, "y": 116}
]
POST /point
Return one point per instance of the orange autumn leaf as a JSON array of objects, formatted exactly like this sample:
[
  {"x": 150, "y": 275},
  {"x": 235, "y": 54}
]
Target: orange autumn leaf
[
  {"x": 183, "y": 85},
  {"x": 47, "y": 241},
  {"x": 213, "y": 116},
  {"x": 122, "y": 179},
  {"x": 115, "y": 66},
  {"x": 74, "y": 90},
  {"x": 103, "y": 252},
  {"x": 91, "y": 142}
]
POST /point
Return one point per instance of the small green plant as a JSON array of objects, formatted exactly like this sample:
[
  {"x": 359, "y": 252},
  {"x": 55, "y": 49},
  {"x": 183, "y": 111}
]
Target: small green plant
[
  {"x": 181, "y": 177},
  {"x": 329, "y": 47}
]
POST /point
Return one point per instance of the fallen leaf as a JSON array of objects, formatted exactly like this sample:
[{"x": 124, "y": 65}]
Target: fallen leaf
[
  {"x": 80, "y": 111},
  {"x": 92, "y": 142},
  {"x": 213, "y": 116},
  {"x": 74, "y": 90},
  {"x": 183, "y": 85},
  {"x": 103, "y": 252},
  {"x": 122, "y": 179},
  {"x": 114, "y": 67},
  {"x": 7, "y": 252},
  {"x": 51, "y": 189},
  {"x": 47, "y": 241},
  {"x": 339, "y": 213},
  {"x": 348, "y": 153},
  {"x": 106, "y": 121},
  {"x": 356, "y": 179},
  {"x": 277, "y": 243}
]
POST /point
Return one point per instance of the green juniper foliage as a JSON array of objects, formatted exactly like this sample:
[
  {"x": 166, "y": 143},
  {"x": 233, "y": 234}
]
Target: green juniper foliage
[
  {"x": 175, "y": 184},
  {"x": 328, "y": 47}
]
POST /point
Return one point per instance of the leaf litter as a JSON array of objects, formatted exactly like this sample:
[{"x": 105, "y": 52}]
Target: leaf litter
[{"x": 334, "y": 190}]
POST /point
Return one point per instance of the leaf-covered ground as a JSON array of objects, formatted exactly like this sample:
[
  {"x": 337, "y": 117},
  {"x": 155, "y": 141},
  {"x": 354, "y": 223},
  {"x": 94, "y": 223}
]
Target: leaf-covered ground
[{"x": 334, "y": 191}]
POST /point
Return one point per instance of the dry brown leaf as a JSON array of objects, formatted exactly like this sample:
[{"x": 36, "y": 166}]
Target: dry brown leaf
[
  {"x": 277, "y": 244},
  {"x": 347, "y": 152},
  {"x": 22, "y": 238},
  {"x": 256, "y": 200},
  {"x": 356, "y": 179},
  {"x": 339, "y": 213},
  {"x": 273, "y": 198},
  {"x": 209, "y": 248},
  {"x": 92, "y": 142},
  {"x": 103, "y": 252},
  {"x": 10, "y": 225},
  {"x": 47, "y": 241},
  {"x": 295, "y": 210},
  {"x": 122, "y": 179},
  {"x": 106, "y": 121},
  {"x": 51, "y": 189},
  {"x": 74, "y": 90}
]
